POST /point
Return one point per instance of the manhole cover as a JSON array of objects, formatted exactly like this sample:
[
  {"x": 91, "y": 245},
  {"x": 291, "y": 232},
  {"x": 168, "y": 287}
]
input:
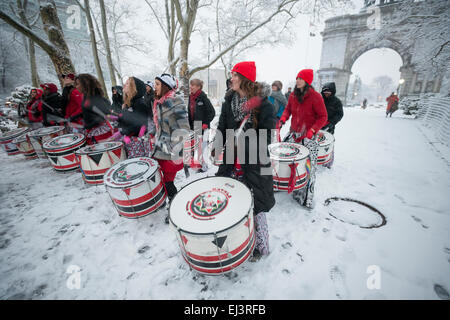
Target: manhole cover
[{"x": 355, "y": 212}]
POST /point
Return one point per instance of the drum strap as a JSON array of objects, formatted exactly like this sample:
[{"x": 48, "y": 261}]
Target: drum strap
[{"x": 293, "y": 177}]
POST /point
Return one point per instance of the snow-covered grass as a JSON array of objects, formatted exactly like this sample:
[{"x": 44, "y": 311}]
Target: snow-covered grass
[{"x": 51, "y": 221}]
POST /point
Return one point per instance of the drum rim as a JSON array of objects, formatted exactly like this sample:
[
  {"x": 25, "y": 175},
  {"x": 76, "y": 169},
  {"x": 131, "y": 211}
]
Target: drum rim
[
  {"x": 20, "y": 132},
  {"x": 330, "y": 142},
  {"x": 24, "y": 136},
  {"x": 82, "y": 152},
  {"x": 82, "y": 136},
  {"x": 138, "y": 181},
  {"x": 33, "y": 133},
  {"x": 277, "y": 158},
  {"x": 210, "y": 233}
]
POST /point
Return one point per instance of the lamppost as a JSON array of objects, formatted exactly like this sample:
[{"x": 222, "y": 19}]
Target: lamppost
[{"x": 400, "y": 82}]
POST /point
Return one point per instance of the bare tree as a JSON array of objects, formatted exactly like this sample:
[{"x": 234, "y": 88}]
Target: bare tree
[
  {"x": 170, "y": 27},
  {"x": 56, "y": 46},
  {"x": 21, "y": 13},
  {"x": 107, "y": 46},
  {"x": 87, "y": 10}
]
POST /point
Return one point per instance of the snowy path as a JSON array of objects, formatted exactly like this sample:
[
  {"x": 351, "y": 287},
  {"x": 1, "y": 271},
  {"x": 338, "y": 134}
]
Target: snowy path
[{"x": 51, "y": 221}]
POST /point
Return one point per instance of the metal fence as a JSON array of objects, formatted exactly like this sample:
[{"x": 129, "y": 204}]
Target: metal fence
[{"x": 434, "y": 113}]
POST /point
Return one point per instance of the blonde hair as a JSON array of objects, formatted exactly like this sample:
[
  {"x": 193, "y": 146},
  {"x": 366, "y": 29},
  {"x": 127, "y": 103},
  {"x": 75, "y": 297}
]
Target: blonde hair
[{"x": 133, "y": 91}]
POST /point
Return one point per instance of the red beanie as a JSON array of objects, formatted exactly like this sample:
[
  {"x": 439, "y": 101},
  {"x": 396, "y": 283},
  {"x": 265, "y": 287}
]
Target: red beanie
[
  {"x": 50, "y": 86},
  {"x": 307, "y": 75},
  {"x": 247, "y": 69}
]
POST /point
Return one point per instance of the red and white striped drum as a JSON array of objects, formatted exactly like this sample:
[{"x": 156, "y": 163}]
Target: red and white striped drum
[
  {"x": 326, "y": 147},
  {"x": 61, "y": 151},
  {"x": 136, "y": 187},
  {"x": 25, "y": 147},
  {"x": 290, "y": 165},
  {"x": 213, "y": 221},
  {"x": 6, "y": 140},
  {"x": 191, "y": 145},
  {"x": 40, "y": 136},
  {"x": 96, "y": 159}
]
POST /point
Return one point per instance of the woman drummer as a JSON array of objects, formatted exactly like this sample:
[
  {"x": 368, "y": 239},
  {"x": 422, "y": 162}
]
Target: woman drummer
[
  {"x": 309, "y": 115},
  {"x": 95, "y": 107},
  {"x": 246, "y": 106},
  {"x": 169, "y": 114}
]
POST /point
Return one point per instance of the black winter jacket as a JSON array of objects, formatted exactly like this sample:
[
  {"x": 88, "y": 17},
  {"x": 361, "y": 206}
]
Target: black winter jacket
[
  {"x": 333, "y": 104},
  {"x": 91, "y": 116},
  {"x": 260, "y": 184},
  {"x": 117, "y": 99},
  {"x": 149, "y": 98},
  {"x": 51, "y": 104},
  {"x": 204, "y": 110},
  {"x": 135, "y": 115}
]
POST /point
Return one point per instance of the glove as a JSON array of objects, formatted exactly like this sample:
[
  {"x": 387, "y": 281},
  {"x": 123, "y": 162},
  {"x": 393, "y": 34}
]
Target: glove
[
  {"x": 126, "y": 139},
  {"x": 116, "y": 136},
  {"x": 280, "y": 124},
  {"x": 142, "y": 131},
  {"x": 310, "y": 134},
  {"x": 112, "y": 117},
  {"x": 204, "y": 126}
]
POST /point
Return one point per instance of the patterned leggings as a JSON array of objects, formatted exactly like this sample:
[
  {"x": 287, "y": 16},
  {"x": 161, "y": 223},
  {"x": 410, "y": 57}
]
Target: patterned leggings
[{"x": 305, "y": 195}]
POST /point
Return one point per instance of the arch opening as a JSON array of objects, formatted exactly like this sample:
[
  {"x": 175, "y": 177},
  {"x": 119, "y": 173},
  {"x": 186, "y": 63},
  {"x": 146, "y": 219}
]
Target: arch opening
[{"x": 375, "y": 75}]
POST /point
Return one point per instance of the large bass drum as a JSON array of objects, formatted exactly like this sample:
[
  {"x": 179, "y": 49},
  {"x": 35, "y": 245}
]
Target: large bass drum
[
  {"x": 136, "y": 187},
  {"x": 290, "y": 165},
  {"x": 326, "y": 148},
  {"x": 40, "y": 136},
  {"x": 96, "y": 159},
  {"x": 6, "y": 140},
  {"x": 61, "y": 151},
  {"x": 214, "y": 224}
]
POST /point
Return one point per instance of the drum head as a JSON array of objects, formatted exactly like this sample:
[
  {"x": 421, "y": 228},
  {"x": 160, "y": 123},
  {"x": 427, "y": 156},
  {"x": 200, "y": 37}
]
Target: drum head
[
  {"x": 21, "y": 138},
  {"x": 324, "y": 138},
  {"x": 130, "y": 172},
  {"x": 46, "y": 131},
  {"x": 210, "y": 205},
  {"x": 13, "y": 134},
  {"x": 63, "y": 141},
  {"x": 288, "y": 151},
  {"x": 100, "y": 147}
]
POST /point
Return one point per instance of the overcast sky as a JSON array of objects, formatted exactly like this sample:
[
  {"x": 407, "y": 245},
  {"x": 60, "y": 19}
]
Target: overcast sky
[{"x": 281, "y": 62}]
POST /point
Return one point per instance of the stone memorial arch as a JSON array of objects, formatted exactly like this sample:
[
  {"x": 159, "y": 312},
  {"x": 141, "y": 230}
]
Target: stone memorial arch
[{"x": 347, "y": 37}]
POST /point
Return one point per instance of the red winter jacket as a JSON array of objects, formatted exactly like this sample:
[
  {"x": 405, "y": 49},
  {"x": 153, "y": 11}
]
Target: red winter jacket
[
  {"x": 390, "y": 100},
  {"x": 34, "y": 107},
  {"x": 73, "y": 108},
  {"x": 311, "y": 113}
]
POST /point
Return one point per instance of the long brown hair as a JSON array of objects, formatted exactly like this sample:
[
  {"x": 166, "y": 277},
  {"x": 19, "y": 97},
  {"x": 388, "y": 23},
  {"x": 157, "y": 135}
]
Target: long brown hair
[
  {"x": 300, "y": 94},
  {"x": 90, "y": 86},
  {"x": 164, "y": 90},
  {"x": 133, "y": 91}
]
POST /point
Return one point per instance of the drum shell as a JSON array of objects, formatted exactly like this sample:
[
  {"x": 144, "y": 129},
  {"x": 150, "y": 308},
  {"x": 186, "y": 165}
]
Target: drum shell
[
  {"x": 92, "y": 171},
  {"x": 138, "y": 200},
  {"x": 281, "y": 173},
  {"x": 8, "y": 144},
  {"x": 37, "y": 140},
  {"x": 326, "y": 148},
  {"x": 64, "y": 159},
  {"x": 204, "y": 256},
  {"x": 191, "y": 144},
  {"x": 281, "y": 169},
  {"x": 25, "y": 147}
]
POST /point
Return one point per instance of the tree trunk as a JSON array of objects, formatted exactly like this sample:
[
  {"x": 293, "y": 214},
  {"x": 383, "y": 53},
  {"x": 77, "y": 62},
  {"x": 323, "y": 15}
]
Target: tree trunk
[
  {"x": 98, "y": 67},
  {"x": 30, "y": 47},
  {"x": 107, "y": 46},
  {"x": 34, "y": 73},
  {"x": 57, "y": 49}
]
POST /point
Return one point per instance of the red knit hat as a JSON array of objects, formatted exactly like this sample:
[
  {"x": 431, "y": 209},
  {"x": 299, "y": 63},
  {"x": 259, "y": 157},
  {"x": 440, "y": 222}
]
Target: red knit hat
[
  {"x": 307, "y": 75},
  {"x": 50, "y": 86},
  {"x": 247, "y": 69}
]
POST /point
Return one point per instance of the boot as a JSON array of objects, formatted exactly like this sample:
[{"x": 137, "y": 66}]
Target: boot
[
  {"x": 171, "y": 192},
  {"x": 262, "y": 235}
]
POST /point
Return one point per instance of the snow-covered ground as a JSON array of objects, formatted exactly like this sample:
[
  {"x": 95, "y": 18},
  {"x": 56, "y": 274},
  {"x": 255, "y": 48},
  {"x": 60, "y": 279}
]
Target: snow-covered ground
[{"x": 52, "y": 224}]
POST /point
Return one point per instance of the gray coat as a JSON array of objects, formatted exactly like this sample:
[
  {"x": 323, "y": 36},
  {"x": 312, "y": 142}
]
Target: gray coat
[{"x": 172, "y": 115}]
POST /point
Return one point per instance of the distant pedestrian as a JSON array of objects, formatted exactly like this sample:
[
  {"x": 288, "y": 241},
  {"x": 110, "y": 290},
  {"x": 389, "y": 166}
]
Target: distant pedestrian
[
  {"x": 278, "y": 100},
  {"x": 392, "y": 105},
  {"x": 288, "y": 93}
]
